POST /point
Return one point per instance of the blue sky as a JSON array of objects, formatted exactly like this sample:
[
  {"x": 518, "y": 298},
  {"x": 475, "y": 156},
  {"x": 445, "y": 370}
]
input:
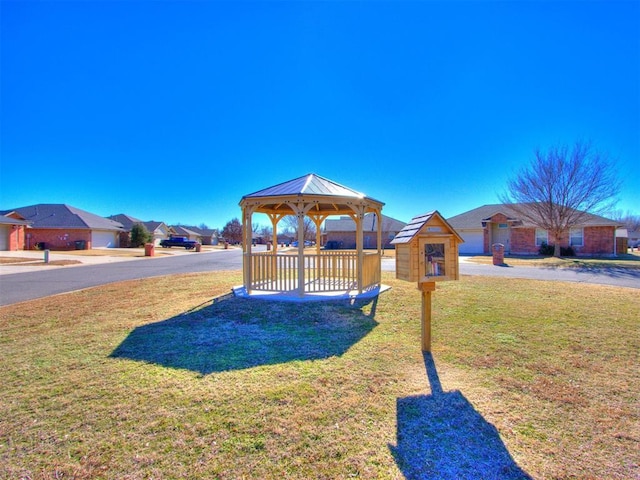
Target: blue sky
[{"x": 173, "y": 110}]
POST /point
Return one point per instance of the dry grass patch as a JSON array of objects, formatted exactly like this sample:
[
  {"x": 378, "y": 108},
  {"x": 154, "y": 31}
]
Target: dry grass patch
[
  {"x": 30, "y": 262},
  {"x": 14, "y": 260},
  {"x": 150, "y": 379}
]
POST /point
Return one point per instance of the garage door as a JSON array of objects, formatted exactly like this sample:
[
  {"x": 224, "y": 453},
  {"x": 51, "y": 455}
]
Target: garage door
[
  {"x": 101, "y": 239},
  {"x": 473, "y": 242},
  {"x": 4, "y": 237}
]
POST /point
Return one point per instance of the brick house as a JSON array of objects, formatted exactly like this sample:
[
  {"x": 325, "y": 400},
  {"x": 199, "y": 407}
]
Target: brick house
[
  {"x": 498, "y": 223},
  {"x": 205, "y": 236},
  {"x": 342, "y": 231},
  {"x": 158, "y": 230},
  {"x": 12, "y": 232},
  {"x": 62, "y": 227}
]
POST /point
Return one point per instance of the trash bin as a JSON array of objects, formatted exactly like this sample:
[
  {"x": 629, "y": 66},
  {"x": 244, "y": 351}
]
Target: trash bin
[
  {"x": 198, "y": 247},
  {"x": 498, "y": 253},
  {"x": 149, "y": 249},
  {"x": 80, "y": 244}
]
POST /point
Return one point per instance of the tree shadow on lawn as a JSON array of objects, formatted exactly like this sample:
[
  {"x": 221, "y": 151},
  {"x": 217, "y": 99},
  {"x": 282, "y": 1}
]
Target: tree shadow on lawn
[
  {"x": 442, "y": 436},
  {"x": 613, "y": 271},
  {"x": 239, "y": 333}
]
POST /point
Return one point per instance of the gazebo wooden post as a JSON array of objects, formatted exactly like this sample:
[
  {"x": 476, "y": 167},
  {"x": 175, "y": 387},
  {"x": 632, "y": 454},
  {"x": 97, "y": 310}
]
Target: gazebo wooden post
[
  {"x": 247, "y": 240},
  {"x": 379, "y": 236},
  {"x": 300, "y": 214},
  {"x": 317, "y": 220},
  {"x": 359, "y": 217},
  {"x": 275, "y": 219},
  {"x": 274, "y": 234},
  {"x": 318, "y": 237}
]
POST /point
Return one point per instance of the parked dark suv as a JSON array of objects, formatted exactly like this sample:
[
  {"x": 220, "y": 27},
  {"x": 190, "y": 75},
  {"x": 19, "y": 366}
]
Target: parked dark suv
[{"x": 332, "y": 245}]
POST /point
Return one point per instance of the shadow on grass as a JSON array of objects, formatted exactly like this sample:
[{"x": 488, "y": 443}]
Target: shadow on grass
[
  {"x": 612, "y": 271},
  {"x": 238, "y": 333},
  {"x": 442, "y": 436}
]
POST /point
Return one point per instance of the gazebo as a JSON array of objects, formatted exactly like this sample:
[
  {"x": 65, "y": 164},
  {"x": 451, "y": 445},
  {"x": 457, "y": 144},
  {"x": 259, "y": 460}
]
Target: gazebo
[{"x": 301, "y": 273}]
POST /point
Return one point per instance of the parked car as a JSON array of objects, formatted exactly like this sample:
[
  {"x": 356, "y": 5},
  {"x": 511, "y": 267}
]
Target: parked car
[
  {"x": 178, "y": 242},
  {"x": 332, "y": 245},
  {"x": 307, "y": 243}
]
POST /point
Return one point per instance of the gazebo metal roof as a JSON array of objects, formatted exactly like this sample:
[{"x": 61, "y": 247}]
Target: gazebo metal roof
[{"x": 326, "y": 196}]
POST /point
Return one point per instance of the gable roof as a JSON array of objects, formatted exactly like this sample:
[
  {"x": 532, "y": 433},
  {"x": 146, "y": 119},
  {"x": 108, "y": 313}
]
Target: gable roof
[
  {"x": 126, "y": 220},
  {"x": 473, "y": 219},
  {"x": 46, "y": 215},
  {"x": 152, "y": 226},
  {"x": 206, "y": 232},
  {"x": 184, "y": 231},
  {"x": 416, "y": 224},
  {"x": 347, "y": 224},
  {"x": 4, "y": 220}
]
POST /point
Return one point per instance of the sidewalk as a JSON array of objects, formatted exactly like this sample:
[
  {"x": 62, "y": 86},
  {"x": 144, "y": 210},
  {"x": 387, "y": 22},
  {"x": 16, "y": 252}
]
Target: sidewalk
[{"x": 71, "y": 259}]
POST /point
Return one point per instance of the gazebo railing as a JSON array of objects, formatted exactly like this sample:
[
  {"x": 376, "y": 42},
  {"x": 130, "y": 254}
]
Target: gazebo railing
[{"x": 324, "y": 272}]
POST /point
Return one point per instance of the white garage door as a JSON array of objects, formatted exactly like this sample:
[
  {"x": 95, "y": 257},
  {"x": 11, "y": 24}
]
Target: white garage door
[
  {"x": 473, "y": 242},
  {"x": 102, "y": 239},
  {"x": 4, "y": 237}
]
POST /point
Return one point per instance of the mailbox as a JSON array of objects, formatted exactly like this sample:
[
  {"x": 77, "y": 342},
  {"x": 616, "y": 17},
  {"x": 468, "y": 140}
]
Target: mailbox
[{"x": 427, "y": 250}]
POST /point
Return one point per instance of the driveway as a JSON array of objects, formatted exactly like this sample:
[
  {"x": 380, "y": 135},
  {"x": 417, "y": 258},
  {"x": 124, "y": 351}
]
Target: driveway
[{"x": 22, "y": 283}]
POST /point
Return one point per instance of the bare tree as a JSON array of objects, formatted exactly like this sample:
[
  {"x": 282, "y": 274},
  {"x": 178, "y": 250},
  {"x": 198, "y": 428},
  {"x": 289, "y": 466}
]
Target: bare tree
[
  {"x": 561, "y": 186},
  {"x": 629, "y": 220},
  {"x": 265, "y": 232},
  {"x": 309, "y": 229},
  {"x": 232, "y": 231}
]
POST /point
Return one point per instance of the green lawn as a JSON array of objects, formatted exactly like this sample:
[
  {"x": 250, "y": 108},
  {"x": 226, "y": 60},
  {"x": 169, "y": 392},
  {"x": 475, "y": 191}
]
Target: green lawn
[{"x": 144, "y": 379}]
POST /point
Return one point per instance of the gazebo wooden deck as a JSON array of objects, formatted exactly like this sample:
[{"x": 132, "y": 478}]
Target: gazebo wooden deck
[{"x": 303, "y": 273}]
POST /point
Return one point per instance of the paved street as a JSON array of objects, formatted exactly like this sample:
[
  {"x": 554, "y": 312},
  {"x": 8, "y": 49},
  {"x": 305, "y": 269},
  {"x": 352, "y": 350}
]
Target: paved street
[
  {"x": 21, "y": 283},
  {"x": 51, "y": 280}
]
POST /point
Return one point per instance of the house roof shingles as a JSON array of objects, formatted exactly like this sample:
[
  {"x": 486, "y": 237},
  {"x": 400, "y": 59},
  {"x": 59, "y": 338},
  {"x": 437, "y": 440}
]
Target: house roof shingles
[
  {"x": 127, "y": 221},
  {"x": 346, "y": 224},
  {"x": 46, "y": 215},
  {"x": 473, "y": 218},
  {"x": 4, "y": 220}
]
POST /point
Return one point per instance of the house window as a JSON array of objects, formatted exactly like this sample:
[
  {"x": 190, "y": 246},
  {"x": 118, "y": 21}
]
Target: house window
[
  {"x": 542, "y": 236},
  {"x": 576, "y": 237},
  {"x": 503, "y": 225}
]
